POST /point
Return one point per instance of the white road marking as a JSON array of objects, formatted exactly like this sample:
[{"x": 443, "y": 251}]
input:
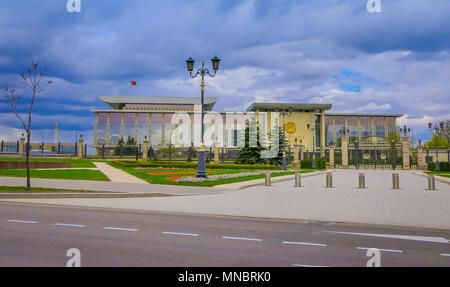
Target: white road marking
[
  {"x": 22, "y": 221},
  {"x": 385, "y": 250},
  {"x": 445, "y": 255},
  {"x": 68, "y": 225},
  {"x": 302, "y": 265},
  {"x": 180, "y": 233},
  {"x": 404, "y": 237},
  {"x": 304, "y": 243},
  {"x": 120, "y": 229},
  {"x": 241, "y": 238}
]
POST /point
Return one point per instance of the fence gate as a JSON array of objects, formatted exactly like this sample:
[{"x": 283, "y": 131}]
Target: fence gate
[
  {"x": 337, "y": 158},
  {"x": 376, "y": 155}
]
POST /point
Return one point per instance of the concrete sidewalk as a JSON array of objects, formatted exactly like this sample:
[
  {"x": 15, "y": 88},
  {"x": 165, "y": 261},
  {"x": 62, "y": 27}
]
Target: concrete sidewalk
[
  {"x": 117, "y": 175},
  {"x": 411, "y": 206},
  {"x": 108, "y": 186}
]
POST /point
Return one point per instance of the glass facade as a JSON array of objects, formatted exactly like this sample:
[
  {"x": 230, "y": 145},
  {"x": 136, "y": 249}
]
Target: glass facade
[
  {"x": 352, "y": 125},
  {"x": 169, "y": 128},
  {"x": 156, "y": 129},
  {"x": 111, "y": 126},
  {"x": 329, "y": 139},
  {"x": 365, "y": 127},
  {"x": 339, "y": 123},
  {"x": 129, "y": 122},
  {"x": 142, "y": 127},
  {"x": 378, "y": 123},
  {"x": 361, "y": 127},
  {"x": 115, "y": 123},
  {"x": 101, "y": 128}
]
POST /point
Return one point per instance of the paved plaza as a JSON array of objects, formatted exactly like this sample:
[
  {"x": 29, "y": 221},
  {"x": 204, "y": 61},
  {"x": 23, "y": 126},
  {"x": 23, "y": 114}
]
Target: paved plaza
[{"x": 410, "y": 206}]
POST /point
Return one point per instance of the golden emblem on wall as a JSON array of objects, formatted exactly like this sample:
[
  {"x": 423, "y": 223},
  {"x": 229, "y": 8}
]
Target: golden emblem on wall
[{"x": 290, "y": 128}]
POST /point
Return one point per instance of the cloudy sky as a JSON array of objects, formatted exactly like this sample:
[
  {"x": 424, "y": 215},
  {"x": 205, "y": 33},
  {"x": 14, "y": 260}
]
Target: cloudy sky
[{"x": 316, "y": 51}]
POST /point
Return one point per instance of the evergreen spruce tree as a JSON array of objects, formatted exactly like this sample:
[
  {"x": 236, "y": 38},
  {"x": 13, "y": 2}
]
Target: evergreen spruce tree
[
  {"x": 278, "y": 159},
  {"x": 129, "y": 148},
  {"x": 250, "y": 155}
]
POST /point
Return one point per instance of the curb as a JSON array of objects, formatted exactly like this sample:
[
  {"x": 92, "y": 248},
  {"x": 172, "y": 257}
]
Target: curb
[
  {"x": 78, "y": 195},
  {"x": 437, "y": 177}
]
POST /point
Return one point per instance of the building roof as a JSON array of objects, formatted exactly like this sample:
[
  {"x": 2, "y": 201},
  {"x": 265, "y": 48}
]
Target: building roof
[
  {"x": 273, "y": 106},
  {"x": 117, "y": 102},
  {"x": 364, "y": 115}
]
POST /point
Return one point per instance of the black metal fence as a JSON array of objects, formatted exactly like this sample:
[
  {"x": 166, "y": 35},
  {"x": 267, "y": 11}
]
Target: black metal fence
[
  {"x": 375, "y": 156},
  {"x": 39, "y": 149},
  {"x": 155, "y": 153},
  {"x": 439, "y": 154}
]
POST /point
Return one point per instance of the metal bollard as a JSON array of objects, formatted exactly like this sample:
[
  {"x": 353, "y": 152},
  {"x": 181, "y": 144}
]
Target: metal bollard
[
  {"x": 298, "y": 179},
  {"x": 362, "y": 180},
  {"x": 395, "y": 181},
  {"x": 329, "y": 180},
  {"x": 268, "y": 179},
  {"x": 431, "y": 182}
]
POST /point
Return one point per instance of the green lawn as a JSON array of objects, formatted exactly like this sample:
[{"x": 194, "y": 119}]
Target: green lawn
[
  {"x": 163, "y": 178},
  {"x": 23, "y": 189},
  {"x": 75, "y": 163},
  {"x": 440, "y": 173},
  {"x": 79, "y": 174}
]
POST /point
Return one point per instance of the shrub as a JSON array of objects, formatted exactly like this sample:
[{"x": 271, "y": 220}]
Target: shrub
[
  {"x": 320, "y": 163},
  {"x": 443, "y": 166}
]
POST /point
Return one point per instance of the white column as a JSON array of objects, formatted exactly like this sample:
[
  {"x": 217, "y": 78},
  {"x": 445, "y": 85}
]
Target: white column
[{"x": 136, "y": 130}]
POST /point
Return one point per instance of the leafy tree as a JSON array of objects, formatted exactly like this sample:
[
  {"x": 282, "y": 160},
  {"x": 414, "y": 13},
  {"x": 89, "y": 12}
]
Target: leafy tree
[
  {"x": 169, "y": 149},
  {"x": 437, "y": 141},
  {"x": 393, "y": 136}
]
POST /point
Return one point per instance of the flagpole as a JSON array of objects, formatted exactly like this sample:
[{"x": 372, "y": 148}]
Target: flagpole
[{"x": 133, "y": 83}]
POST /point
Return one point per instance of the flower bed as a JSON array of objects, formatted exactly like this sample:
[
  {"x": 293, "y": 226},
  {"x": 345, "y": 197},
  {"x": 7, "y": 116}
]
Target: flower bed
[
  {"x": 189, "y": 179},
  {"x": 191, "y": 165}
]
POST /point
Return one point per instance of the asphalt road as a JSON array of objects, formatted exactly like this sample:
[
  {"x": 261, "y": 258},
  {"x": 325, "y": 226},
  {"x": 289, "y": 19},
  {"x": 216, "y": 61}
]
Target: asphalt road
[{"x": 32, "y": 235}]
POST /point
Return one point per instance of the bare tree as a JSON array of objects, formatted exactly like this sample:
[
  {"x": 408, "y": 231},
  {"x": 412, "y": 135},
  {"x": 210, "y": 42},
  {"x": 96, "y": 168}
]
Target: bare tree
[
  {"x": 443, "y": 129},
  {"x": 33, "y": 79}
]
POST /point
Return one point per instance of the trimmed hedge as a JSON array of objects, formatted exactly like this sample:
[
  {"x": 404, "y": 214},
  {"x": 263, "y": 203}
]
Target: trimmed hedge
[
  {"x": 320, "y": 163},
  {"x": 443, "y": 166},
  {"x": 193, "y": 165}
]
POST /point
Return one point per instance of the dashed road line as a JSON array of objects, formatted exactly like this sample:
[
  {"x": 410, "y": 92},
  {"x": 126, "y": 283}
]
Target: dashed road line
[
  {"x": 21, "y": 221},
  {"x": 223, "y": 237},
  {"x": 180, "y": 234},
  {"x": 384, "y": 250},
  {"x": 394, "y": 236},
  {"x": 304, "y": 243},
  {"x": 120, "y": 229},
  {"x": 69, "y": 225},
  {"x": 241, "y": 238}
]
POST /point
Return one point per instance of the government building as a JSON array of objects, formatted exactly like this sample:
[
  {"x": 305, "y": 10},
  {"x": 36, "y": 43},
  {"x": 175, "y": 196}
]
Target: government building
[{"x": 313, "y": 126}]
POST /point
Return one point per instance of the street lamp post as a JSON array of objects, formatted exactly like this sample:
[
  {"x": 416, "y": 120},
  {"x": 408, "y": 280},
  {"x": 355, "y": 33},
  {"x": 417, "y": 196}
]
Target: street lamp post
[
  {"x": 433, "y": 131},
  {"x": 283, "y": 114},
  {"x": 201, "y": 169}
]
